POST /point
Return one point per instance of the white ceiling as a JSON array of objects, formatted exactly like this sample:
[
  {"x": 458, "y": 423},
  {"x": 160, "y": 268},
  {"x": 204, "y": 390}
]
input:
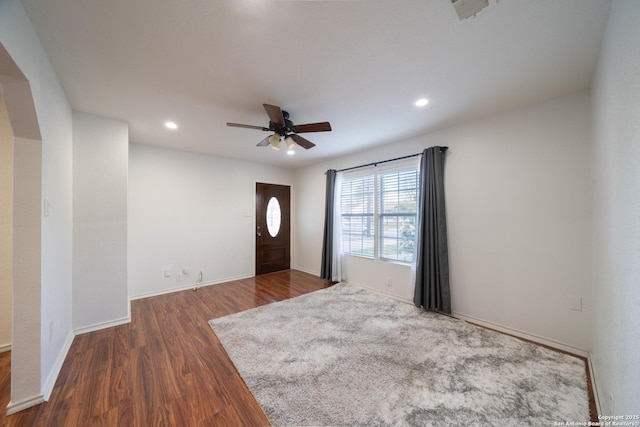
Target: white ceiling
[{"x": 358, "y": 64}]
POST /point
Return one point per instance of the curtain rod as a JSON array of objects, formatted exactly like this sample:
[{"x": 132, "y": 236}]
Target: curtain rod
[{"x": 385, "y": 161}]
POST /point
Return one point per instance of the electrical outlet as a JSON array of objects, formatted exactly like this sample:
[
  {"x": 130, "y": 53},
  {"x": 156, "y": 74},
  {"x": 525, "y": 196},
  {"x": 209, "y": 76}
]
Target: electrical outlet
[
  {"x": 185, "y": 271},
  {"x": 389, "y": 282},
  {"x": 167, "y": 271}
]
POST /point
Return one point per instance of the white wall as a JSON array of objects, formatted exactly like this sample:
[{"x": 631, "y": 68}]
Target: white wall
[
  {"x": 191, "y": 210},
  {"x": 100, "y": 166},
  {"x": 44, "y": 326},
  {"x": 6, "y": 227},
  {"x": 518, "y": 209},
  {"x": 616, "y": 207}
]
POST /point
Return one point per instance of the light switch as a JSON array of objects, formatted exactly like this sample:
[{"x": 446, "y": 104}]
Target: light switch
[{"x": 575, "y": 303}]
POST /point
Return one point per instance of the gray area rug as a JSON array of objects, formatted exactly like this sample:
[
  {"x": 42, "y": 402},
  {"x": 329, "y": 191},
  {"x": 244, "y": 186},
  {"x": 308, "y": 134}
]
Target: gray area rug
[{"x": 346, "y": 356}]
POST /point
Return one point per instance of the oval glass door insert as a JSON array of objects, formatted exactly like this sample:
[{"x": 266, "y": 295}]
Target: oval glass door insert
[{"x": 273, "y": 217}]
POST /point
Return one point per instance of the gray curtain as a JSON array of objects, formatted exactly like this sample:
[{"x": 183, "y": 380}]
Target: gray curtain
[
  {"x": 327, "y": 241},
  {"x": 432, "y": 260}
]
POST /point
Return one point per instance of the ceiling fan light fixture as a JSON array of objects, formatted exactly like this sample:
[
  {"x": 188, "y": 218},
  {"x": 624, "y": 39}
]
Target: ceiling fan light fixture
[
  {"x": 274, "y": 141},
  {"x": 290, "y": 143}
]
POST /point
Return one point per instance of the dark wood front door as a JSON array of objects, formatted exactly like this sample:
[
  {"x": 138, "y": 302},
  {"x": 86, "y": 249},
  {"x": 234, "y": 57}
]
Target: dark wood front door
[{"x": 272, "y": 228}]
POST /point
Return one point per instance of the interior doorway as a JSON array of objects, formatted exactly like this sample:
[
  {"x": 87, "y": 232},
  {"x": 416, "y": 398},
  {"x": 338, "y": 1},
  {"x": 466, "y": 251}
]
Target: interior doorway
[{"x": 273, "y": 228}]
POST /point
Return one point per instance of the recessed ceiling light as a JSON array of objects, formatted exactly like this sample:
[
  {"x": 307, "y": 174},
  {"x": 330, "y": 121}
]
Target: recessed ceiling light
[
  {"x": 421, "y": 102},
  {"x": 170, "y": 125}
]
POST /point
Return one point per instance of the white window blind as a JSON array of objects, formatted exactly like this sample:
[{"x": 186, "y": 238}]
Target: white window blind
[
  {"x": 358, "y": 210},
  {"x": 397, "y": 195},
  {"x": 378, "y": 208}
]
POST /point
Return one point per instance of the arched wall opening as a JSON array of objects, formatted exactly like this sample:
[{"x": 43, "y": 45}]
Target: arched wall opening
[{"x": 21, "y": 236}]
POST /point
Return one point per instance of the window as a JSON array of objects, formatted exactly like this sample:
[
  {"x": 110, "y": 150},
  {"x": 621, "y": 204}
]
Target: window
[
  {"x": 378, "y": 210},
  {"x": 273, "y": 219}
]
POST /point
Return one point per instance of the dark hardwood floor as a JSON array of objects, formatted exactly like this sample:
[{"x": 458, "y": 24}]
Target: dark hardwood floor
[{"x": 165, "y": 368}]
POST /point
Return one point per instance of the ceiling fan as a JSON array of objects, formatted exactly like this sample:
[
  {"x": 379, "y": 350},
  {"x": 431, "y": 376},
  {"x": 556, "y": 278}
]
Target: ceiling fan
[{"x": 282, "y": 127}]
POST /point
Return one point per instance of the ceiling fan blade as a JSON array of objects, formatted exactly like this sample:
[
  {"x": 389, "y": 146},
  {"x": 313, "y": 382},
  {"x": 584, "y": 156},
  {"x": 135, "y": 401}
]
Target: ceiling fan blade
[
  {"x": 263, "y": 143},
  {"x": 275, "y": 114},
  {"x": 313, "y": 127},
  {"x": 304, "y": 143},
  {"x": 238, "y": 125}
]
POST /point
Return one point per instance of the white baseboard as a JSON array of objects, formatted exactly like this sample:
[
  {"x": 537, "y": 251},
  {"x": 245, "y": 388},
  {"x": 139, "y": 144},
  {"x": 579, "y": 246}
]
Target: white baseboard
[
  {"x": 57, "y": 366},
  {"x": 379, "y": 292},
  {"x": 594, "y": 385},
  {"x": 518, "y": 333},
  {"x": 5, "y": 347},
  {"x": 102, "y": 325},
  {"x": 23, "y": 404},
  {"x": 187, "y": 287},
  {"x": 305, "y": 270}
]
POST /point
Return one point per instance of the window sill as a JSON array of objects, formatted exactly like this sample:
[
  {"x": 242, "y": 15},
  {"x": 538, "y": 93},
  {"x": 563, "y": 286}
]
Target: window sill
[{"x": 390, "y": 261}]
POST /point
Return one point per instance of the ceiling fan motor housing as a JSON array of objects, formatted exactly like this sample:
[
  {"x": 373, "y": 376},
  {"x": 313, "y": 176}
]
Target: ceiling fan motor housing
[{"x": 284, "y": 130}]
